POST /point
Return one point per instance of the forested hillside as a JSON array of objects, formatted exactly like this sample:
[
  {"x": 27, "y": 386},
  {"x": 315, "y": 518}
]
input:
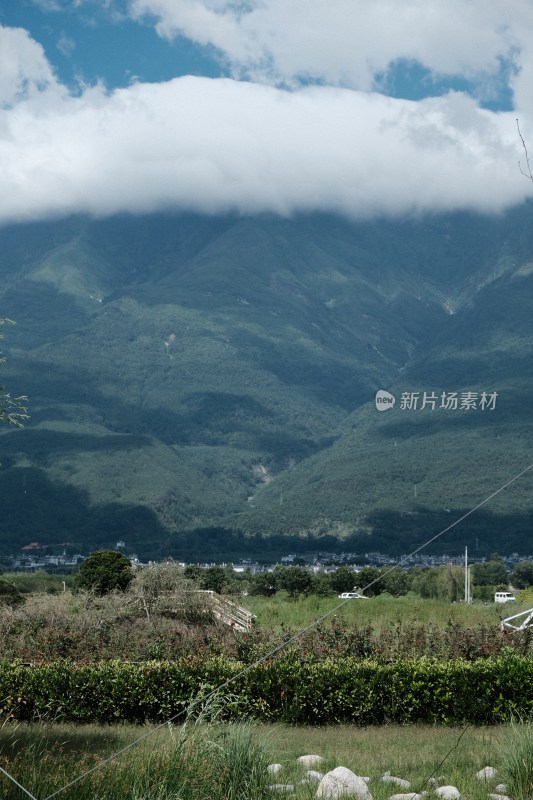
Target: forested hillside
[{"x": 195, "y": 381}]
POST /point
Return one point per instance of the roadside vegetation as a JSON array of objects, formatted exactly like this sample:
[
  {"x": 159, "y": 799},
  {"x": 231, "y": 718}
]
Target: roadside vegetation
[
  {"x": 412, "y": 631},
  {"x": 166, "y": 612}
]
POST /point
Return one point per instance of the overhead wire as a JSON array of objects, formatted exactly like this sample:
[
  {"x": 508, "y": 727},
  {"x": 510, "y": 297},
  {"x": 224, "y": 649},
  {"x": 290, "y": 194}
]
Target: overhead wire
[{"x": 278, "y": 648}]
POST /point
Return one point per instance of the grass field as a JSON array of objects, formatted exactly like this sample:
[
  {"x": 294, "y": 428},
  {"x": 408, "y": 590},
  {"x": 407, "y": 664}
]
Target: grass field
[
  {"x": 216, "y": 762},
  {"x": 280, "y": 612},
  {"x": 46, "y": 758}
]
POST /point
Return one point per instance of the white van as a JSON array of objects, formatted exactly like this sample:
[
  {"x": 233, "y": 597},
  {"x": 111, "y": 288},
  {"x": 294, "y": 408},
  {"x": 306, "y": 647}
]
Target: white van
[{"x": 504, "y": 597}]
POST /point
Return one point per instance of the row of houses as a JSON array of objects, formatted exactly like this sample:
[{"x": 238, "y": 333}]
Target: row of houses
[{"x": 32, "y": 558}]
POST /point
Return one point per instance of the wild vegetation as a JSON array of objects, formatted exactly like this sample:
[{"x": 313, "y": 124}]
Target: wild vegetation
[
  {"x": 381, "y": 655},
  {"x": 165, "y": 612},
  {"x": 207, "y": 761},
  {"x": 201, "y": 383}
]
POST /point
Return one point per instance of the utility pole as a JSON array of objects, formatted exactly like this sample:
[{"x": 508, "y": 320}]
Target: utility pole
[{"x": 467, "y": 577}]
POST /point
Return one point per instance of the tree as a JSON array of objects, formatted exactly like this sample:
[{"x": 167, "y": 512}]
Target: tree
[
  {"x": 295, "y": 580},
  {"x": 343, "y": 580},
  {"x": 193, "y": 573},
  {"x": 9, "y": 594},
  {"x": 12, "y": 409},
  {"x": 490, "y": 573},
  {"x": 263, "y": 584},
  {"x": 370, "y": 575},
  {"x": 396, "y": 582},
  {"x": 214, "y": 579},
  {"x": 104, "y": 571},
  {"x": 522, "y": 574}
]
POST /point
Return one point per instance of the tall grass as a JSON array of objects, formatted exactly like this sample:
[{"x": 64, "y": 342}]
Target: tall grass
[
  {"x": 205, "y": 760},
  {"x": 280, "y": 611},
  {"x": 200, "y": 761},
  {"x": 516, "y": 760}
]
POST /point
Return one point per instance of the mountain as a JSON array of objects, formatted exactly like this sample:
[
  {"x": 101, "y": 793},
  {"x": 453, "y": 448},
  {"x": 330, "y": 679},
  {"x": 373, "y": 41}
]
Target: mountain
[{"x": 204, "y": 386}]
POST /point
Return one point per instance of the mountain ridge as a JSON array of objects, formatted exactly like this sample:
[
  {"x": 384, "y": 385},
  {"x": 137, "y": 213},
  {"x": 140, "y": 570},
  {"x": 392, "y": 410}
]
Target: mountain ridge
[{"x": 173, "y": 361}]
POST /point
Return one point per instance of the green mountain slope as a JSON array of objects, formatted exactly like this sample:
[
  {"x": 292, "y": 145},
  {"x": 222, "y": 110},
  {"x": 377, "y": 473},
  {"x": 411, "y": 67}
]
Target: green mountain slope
[{"x": 191, "y": 372}]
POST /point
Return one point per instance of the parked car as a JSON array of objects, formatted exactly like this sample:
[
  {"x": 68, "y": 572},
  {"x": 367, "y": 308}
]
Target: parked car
[
  {"x": 504, "y": 597},
  {"x": 352, "y": 596}
]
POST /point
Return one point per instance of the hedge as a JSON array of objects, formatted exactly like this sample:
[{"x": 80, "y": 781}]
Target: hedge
[{"x": 340, "y": 690}]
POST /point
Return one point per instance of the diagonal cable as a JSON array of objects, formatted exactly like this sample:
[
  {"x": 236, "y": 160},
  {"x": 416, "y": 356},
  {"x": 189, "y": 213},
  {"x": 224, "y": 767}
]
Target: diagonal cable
[{"x": 284, "y": 644}]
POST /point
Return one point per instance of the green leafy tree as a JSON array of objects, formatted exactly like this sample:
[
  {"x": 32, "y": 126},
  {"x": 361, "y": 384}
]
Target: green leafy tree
[
  {"x": 522, "y": 574},
  {"x": 263, "y": 584},
  {"x": 490, "y": 573},
  {"x": 9, "y": 594},
  {"x": 397, "y": 582},
  {"x": 370, "y": 575},
  {"x": 295, "y": 580},
  {"x": 321, "y": 586},
  {"x": 104, "y": 571},
  {"x": 425, "y": 582},
  {"x": 193, "y": 573},
  {"x": 12, "y": 409},
  {"x": 443, "y": 583},
  {"x": 343, "y": 580},
  {"x": 214, "y": 578}
]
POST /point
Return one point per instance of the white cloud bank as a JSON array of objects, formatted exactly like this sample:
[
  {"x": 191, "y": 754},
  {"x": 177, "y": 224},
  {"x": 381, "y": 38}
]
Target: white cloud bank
[
  {"x": 221, "y": 145},
  {"x": 349, "y": 42}
]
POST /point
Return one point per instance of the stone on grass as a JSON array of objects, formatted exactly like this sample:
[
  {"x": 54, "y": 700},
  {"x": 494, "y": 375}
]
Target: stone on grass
[
  {"x": 313, "y": 775},
  {"x": 342, "y": 782},
  {"x": 282, "y": 787},
  {"x": 310, "y": 761},
  {"x": 388, "y": 778},
  {"x": 273, "y": 769},
  {"x": 498, "y": 797},
  {"x": 486, "y": 774},
  {"x": 501, "y": 789},
  {"x": 448, "y": 792},
  {"x": 408, "y": 796}
]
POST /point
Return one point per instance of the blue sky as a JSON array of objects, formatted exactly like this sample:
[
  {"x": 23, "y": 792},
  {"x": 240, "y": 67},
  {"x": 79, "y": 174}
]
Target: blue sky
[
  {"x": 89, "y": 43},
  {"x": 361, "y": 107}
]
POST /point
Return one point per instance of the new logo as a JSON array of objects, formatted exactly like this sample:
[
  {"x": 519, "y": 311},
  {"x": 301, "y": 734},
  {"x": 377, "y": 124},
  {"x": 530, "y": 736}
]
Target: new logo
[{"x": 384, "y": 400}]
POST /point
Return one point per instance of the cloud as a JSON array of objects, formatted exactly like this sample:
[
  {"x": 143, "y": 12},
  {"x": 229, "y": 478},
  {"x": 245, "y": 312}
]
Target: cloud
[
  {"x": 66, "y": 45},
  {"x": 222, "y": 145},
  {"x": 24, "y": 69},
  {"x": 348, "y": 42}
]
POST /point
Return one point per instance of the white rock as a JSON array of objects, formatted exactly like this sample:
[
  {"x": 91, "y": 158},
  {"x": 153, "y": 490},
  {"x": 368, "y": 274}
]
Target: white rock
[
  {"x": 411, "y": 796},
  {"x": 310, "y": 761},
  {"x": 501, "y": 789},
  {"x": 313, "y": 775},
  {"x": 486, "y": 774},
  {"x": 388, "y": 778},
  {"x": 498, "y": 797},
  {"x": 273, "y": 769},
  {"x": 448, "y": 792},
  {"x": 282, "y": 787},
  {"x": 341, "y": 782}
]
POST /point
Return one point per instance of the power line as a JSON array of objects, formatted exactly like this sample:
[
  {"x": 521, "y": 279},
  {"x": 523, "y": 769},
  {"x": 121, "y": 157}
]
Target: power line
[{"x": 280, "y": 647}]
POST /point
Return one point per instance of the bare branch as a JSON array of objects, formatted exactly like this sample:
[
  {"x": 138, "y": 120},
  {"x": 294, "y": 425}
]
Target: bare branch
[{"x": 527, "y": 173}]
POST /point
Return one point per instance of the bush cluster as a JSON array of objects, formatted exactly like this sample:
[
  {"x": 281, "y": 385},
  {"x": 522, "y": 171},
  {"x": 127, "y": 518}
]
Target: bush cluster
[
  {"x": 142, "y": 627},
  {"x": 341, "y": 690}
]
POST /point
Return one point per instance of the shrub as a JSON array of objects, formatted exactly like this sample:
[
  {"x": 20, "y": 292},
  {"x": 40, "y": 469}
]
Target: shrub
[
  {"x": 286, "y": 689},
  {"x": 105, "y": 571}
]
